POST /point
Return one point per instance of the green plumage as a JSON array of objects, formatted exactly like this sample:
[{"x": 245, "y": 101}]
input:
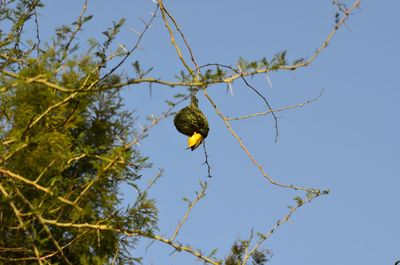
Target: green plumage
[{"x": 190, "y": 120}]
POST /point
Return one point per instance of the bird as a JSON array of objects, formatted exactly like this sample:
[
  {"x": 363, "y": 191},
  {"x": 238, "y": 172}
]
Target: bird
[{"x": 192, "y": 122}]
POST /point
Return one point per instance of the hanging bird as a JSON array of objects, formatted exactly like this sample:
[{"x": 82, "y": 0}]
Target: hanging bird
[{"x": 192, "y": 122}]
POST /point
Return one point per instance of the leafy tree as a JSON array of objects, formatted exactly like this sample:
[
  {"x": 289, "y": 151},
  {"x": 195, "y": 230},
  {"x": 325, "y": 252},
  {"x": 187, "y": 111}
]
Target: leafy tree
[
  {"x": 66, "y": 148},
  {"x": 67, "y": 143}
]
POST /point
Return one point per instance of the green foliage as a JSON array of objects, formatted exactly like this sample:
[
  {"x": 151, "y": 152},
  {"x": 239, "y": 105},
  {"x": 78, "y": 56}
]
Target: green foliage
[
  {"x": 65, "y": 151},
  {"x": 240, "y": 250},
  {"x": 184, "y": 77},
  {"x": 140, "y": 72},
  {"x": 211, "y": 76},
  {"x": 110, "y": 35}
]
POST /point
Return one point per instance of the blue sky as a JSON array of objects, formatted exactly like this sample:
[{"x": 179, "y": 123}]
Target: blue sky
[{"x": 347, "y": 141}]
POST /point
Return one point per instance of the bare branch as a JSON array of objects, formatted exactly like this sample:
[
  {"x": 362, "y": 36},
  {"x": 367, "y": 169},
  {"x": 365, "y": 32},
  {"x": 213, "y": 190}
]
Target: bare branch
[
  {"x": 293, "y": 209},
  {"x": 199, "y": 196},
  {"x": 264, "y": 113}
]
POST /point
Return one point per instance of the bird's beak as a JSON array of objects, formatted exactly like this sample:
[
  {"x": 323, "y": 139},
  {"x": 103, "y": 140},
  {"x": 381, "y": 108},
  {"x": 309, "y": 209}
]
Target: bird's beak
[{"x": 194, "y": 141}]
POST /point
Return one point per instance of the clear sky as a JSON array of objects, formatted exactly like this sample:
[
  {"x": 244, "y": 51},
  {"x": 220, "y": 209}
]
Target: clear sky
[{"x": 347, "y": 141}]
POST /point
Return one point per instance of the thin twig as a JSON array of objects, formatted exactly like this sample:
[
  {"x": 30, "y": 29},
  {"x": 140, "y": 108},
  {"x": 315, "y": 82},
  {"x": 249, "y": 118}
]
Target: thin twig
[
  {"x": 172, "y": 37},
  {"x": 37, "y": 32},
  {"x": 206, "y": 160},
  {"x": 308, "y": 101},
  {"x": 265, "y": 236},
  {"x": 78, "y": 23},
  {"x": 317, "y": 52},
  {"x": 184, "y": 39},
  {"x": 199, "y": 196}
]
